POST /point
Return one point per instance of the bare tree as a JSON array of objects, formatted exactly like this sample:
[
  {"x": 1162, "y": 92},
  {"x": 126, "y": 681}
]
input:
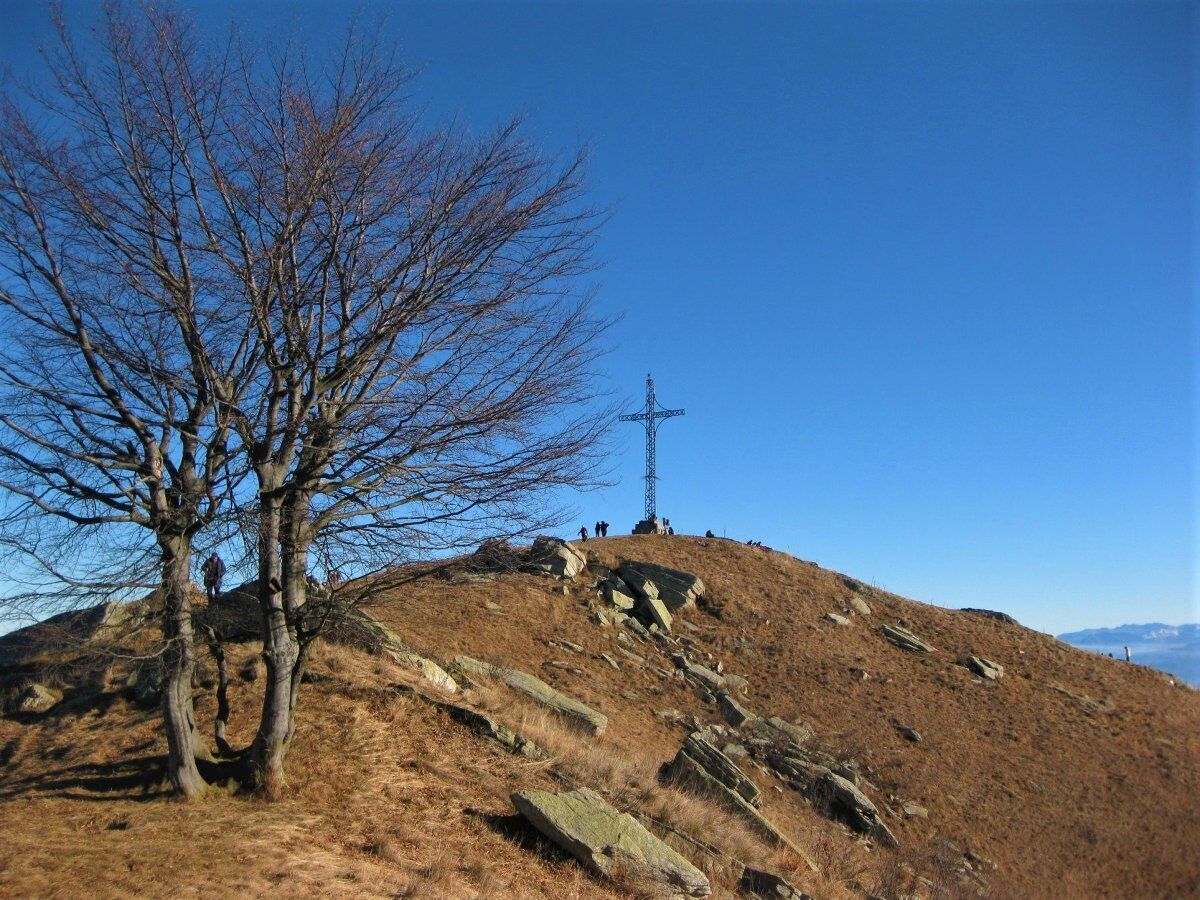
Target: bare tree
[
  {"x": 428, "y": 364},
  {"x": 121, "y": 341}
]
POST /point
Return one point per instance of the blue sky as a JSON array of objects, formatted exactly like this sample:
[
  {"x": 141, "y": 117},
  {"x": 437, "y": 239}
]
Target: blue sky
[{"x": 922, "y": 274}]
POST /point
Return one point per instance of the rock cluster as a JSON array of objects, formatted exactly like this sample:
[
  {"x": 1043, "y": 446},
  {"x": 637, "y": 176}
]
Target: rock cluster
[{"x": 537, "y": 690}]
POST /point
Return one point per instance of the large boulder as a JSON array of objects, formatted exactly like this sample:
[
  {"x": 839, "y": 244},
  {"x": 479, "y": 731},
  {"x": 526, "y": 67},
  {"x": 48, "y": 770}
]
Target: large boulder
[
  {"x": 26, "y": 696},
  {"x": 653, "y": 612},
  {"x": 618, "y": 593},
  {"x": 676, "y": 589},
  {"x": 833, "y": 794},
  {"x": 905, "y": 639},
  {"x": 537, "y": 690},
  {"x": 610, "y": 843},
  {"x": 554, "y": 556}
]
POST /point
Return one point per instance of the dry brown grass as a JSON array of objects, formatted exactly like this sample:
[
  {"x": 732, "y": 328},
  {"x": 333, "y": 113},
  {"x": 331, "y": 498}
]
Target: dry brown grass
[{"x": 387, "y": 797}]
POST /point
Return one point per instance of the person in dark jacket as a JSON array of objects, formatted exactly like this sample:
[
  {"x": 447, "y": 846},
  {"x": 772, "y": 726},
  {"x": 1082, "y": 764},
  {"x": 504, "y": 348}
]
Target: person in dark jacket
[
  {"x": 583, "y": 534},
  {"x": 213, "y": 571}
]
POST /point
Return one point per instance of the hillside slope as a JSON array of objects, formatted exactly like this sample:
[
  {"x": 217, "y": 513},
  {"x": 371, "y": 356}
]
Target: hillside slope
[{"x": 1076, "y": 775}]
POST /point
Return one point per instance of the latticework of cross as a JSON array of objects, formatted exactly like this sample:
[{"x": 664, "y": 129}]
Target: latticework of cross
[{"x": 651, "y": 417}]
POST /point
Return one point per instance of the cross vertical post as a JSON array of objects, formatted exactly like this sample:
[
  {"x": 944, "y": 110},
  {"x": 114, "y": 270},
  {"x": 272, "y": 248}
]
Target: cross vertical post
[{"x": 651, "y": 417}]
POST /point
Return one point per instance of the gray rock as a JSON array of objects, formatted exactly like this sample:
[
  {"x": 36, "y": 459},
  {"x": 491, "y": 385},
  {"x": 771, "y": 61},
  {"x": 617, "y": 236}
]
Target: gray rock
[
  {"x": 764, "y": 885},
  {"x": 992, "y": 614},
  {"x": 26, "y": 696},
  {"x": 698, "y": 751},
  {"x": 611, "y": 662},
  {"x": 775, "y": 728},
  {"x": 909, "y": 733},
  {"x": 833, "y": 794},
  {"x": 610, "y": 843},
  {"x": 537, "y": 690},
  {"x": 859, "y": 605},
  {"x": 653, "y": 612},
  {"x": 905, "y": 639},
  {"x": 732, "y": 711},
  {"x": 554, "y": 556},
  {"x": 985, "y": 668},
  {"x": 599, "y": 618},
  {"x": 705, "y": 676},
  {"x": 493, "y": 730},
  {"x": 736, "y": 683},
  {"x": 676, "y": 589},
  {"x": 914, "y": 810},
  {"x": 617, "y": 593},
  {"x": 836, "y": 619}
]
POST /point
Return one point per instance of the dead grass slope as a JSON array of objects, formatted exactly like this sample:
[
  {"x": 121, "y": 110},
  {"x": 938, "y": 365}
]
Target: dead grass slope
[{"x": 391, "y": 797}]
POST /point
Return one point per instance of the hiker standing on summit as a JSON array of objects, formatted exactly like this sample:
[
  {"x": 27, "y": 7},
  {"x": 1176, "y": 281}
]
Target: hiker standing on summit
[{"x": 583, "y": 533}]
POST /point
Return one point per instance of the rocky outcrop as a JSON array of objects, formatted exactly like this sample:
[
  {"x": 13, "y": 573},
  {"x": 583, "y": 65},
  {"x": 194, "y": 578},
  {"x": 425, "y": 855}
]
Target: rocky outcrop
[
  {"x": 610, "y": 843},
  {"x": 992, "y": 614},
  {"x": 98, "y": 626},
  {"x": 676, "y": 589},
  {"x": 765, "y": 886},
  {"x": 834, "y": 795},
  {"x": 653, "y": 612},
  {"x": 554, "y": 556},
  {"x": 537, "y": 690},
  {"x": 905, "y": 639},
  {"x": 24, "y": 696},
  {"x": 699, "y": 753},
  {"x": 732, "y": 711},
  {"x": 358, "y": 628},
  {"x": 984, "y": 668},
  {"x": 701, "y": 767}
]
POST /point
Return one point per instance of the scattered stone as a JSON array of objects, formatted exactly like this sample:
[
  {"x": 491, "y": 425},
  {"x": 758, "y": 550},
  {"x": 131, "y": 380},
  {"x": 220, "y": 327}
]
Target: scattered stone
[
  {"x": 636, "y": 627},
  {"x": 835, "y": 619},
  {"x": 632, "y": 657},
  {"x": 566, "y": 667},
  {"x": 612, "y": 662},
  {"x": 625, "y": 639},
  {"x": 732, "y": 711},
  {"x": 599, "y": 618},
  {"x": 26, "y": 696},
  {"x": 493, "y": 607},
  {"x": 985, "y": 668},
  {"x": 565, "y": 645},
  {"x": 1103, "y": 706},
  {"x": 764, "y": 885},
  {"x": 860, "y": 674},
  {"x": 858, "y": 605},
  {"x": 668, "y": 714},
  {"x": 608, "y": 842},
  {"x": 358, "y": 628},
  {"x": 538, "y": 691},
  {"x": 630, "y": 695},
  {"x": 554, "y": 556},
  {"x": 676, "y": 589},
  {"x": 905, "y": 639},
  {"x": 735, "y": 751},
  {"x": 909, "y": 733},
  {"x": 914, "y": 810}
]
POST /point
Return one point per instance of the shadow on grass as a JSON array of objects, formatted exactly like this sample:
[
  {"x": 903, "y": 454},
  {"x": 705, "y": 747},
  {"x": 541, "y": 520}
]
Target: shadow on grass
[
  {"x": 516, "y": 828},
  {"x": 138, "y": 778}
]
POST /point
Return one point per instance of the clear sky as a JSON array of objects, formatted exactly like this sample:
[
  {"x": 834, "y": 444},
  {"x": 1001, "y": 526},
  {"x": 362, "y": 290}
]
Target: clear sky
[{"x": 923, "y": 274}]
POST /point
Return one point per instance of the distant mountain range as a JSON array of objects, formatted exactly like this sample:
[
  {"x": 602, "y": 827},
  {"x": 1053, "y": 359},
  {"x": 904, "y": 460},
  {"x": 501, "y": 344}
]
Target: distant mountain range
[{"x": 1171, "y": 648}]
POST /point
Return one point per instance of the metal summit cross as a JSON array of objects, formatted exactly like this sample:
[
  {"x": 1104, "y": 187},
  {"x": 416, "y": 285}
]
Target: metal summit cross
[{"x": 652, "y": 415}]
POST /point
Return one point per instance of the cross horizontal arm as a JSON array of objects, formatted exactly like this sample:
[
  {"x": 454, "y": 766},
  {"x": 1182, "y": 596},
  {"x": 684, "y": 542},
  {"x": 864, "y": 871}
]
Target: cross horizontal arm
[
  {"x": 668, "y": 413},
  {"x": 635, "y": 417}
]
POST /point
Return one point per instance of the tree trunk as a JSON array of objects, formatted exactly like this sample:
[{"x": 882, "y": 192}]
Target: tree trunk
[
  {"x": 221, "y": 721},
  {"x": 179, "y": 660}
]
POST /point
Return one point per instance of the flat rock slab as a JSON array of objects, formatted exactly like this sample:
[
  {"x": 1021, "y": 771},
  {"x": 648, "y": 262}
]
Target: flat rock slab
[
  {"x": 732, "y": 711},
  {"x": 538, "y": 691},
  {"x": 836, "y": 619},
  {"x": 654, "y": 612},
  {"x": 676, "y": 589},
  {"x": 610, "y": 843},
  {"x": 905, "y": 639}
]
